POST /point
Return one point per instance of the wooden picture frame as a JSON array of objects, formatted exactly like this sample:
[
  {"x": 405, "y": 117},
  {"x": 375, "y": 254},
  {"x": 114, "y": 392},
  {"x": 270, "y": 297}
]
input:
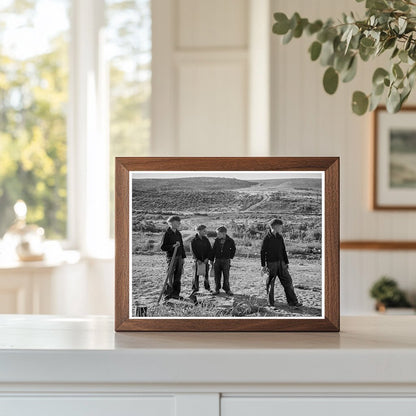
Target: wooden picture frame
[
  {"x": 327, "y": 166},
  {"x": 386, "y": 196}
]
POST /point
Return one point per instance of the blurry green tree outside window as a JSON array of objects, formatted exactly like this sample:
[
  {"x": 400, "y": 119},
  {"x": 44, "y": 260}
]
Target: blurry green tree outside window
[
  {"x": 33, "y": 102},
  {"x": 34, "y": 86}
]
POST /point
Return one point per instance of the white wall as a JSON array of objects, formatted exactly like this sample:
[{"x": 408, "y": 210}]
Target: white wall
[{"x": 200, "y": 77}]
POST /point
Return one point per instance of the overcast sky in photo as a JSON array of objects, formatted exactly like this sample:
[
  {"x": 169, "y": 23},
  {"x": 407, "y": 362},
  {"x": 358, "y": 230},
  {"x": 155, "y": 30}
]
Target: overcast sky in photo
[{"x": 243, "y": 175}]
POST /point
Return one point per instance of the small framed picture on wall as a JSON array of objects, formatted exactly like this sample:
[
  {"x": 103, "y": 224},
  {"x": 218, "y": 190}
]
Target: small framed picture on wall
[
  {"x": 394, "y": 159},
  {"x": 227, "y": 244}
]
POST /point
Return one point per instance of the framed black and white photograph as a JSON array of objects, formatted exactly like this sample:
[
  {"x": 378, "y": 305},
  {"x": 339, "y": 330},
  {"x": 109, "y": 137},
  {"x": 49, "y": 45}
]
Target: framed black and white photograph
[
  {"x": 234, "y": 244},
  {"x": 394, "y": 179}
]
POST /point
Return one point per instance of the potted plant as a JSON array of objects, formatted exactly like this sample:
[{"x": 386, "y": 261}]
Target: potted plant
[{"x": 387, "y": 294}]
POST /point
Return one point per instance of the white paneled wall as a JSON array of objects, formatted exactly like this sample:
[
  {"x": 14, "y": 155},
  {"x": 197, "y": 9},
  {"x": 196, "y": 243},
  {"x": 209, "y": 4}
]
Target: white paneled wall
[
  {"x": 212, "y": 24},
  {"x": 204, "y": 73},
  {"x": 212, "y": 104},
  {"x": 308, "y": 122}
]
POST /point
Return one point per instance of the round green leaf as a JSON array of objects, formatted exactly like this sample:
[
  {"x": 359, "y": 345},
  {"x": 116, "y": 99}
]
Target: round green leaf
[
  {"x": 298, "y": 30},
  {"x": 330, "y": 80},
  {"x": 315, "y": 50},
  {"x": 393, "y": 101},
  {"x": 403, "y": 96},
  {"x": 327, "y": 54},
  {"x": 379, "y": 75},
  {"x": 341, "y": 61},
  {"x": 389, "y": 43},
  {"x": 397, "y": 71},
  {"x": 322, "y": 36},
  {"x": 359, "y": 103},
  {"x": 395, "y": 52},
  {"x": 294, "y": 20},
  {"x": 378, "y": 89},
  {"x": 374, "y": 102},
  {"x": 367, "y": 42},
  {"x": 314, "y": 27},
  {"x": 403, "y": 55},
  {"x": 376, "y": 4},
  {"x": 281, "y": 27},
  {"x": 351, "y": 71},
  {"x": 288, "y": 37},
  {"x": 366, "y": 53}
]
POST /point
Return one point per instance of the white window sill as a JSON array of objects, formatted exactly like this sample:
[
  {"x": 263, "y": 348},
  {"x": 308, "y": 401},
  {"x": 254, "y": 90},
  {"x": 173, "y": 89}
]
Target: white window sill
[{"x": 56, "y": 256}]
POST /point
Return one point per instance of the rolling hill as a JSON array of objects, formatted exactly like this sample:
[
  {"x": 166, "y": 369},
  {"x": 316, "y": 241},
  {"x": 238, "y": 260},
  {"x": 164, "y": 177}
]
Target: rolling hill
[
  {"x": 207, "y": 194},
  {"x": 197, "y": 183}
]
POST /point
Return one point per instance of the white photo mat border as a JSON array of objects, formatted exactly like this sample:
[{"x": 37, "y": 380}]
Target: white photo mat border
[{"x": 218, "y": 174}]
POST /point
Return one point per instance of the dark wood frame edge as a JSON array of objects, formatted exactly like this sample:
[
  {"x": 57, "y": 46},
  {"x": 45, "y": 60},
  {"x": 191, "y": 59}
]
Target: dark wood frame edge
[
  {"x": 375, "y": 205},
  {"x": 121, "y": 259},
  {"x": 331, "y": 321},
  {"x": 377, "y": 245}
]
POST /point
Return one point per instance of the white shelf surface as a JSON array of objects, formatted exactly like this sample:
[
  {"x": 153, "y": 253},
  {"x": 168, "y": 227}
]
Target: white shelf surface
[{"x": 54, "y": 349}]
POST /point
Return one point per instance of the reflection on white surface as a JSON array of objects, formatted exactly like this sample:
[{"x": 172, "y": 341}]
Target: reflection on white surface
[{"x": 54, "y": 256}]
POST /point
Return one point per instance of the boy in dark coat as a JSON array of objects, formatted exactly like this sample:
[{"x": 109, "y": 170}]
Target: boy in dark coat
[
  {"x": 201, "y": 251},
  {"x": 223, "y": 252},
  {"x": 171, "y": 239},
  {"x": 274, "y": 261}
]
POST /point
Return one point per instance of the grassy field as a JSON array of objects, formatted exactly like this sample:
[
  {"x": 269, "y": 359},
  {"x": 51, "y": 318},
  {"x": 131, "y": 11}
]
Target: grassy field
[{"x": 244, "y": 207}]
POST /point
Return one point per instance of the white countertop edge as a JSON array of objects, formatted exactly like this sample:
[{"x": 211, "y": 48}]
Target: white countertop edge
[{"x": 208, "y": 366}]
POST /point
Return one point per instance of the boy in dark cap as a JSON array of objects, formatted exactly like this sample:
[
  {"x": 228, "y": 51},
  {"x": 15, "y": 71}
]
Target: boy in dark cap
[
  {"x": 273, "y": 254},
  {"x": 223, "y": 252},
  {"x": 171, "y": 239},
  {"x": 201, "y": 251}
]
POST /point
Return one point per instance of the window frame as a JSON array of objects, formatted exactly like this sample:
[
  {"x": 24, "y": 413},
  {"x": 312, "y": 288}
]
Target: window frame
[{"x": 87, "y": 133}]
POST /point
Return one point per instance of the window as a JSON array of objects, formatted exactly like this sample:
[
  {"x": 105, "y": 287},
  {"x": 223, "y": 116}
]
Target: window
[
  {"x": 129, "y": 43},
  {"x": 71, "y": 100},
  {"x": 33, "y": 102}
]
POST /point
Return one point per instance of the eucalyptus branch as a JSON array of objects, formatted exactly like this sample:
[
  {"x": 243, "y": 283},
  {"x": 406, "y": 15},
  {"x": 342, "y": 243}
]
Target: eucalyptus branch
[{"x": 388, "y": 25}]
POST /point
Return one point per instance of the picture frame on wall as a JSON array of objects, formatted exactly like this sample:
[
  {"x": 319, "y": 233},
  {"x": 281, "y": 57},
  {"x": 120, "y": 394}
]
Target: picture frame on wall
[
  {"x": 227, "y": 244},
  {"x": 394, "y": 159}
]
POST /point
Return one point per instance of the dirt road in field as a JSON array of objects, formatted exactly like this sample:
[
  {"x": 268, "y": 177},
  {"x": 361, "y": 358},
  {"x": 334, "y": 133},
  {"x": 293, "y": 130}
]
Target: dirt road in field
[{"x": 266, "y": 197}]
